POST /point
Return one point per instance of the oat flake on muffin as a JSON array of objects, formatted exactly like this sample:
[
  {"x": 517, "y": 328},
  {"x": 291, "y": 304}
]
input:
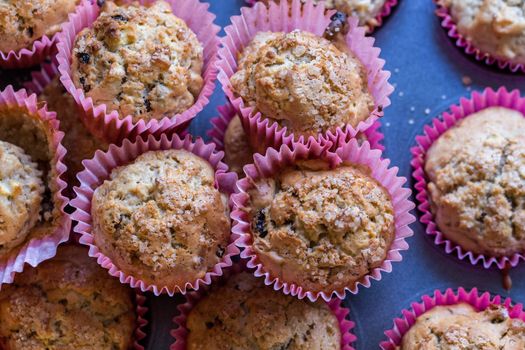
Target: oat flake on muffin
[
  {"x": 246, "y": 314},
  {"x": 476, "y": 186},
  {"x": 161, "y": 219},
  {"x": 141, "y": 61}
]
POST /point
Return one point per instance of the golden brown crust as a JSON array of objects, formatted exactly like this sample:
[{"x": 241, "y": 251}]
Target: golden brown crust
[
  {"x": 140, "y": 61},
  {"x": 237, "y": 149},
  {"x": 461, "y": 327},
  {"x": 321, "y": 229},
  {"x": 21, "y": 192},
  {"x": 496, "y": 27},
  {"x": 161, "y": 219},
  {"x": 78, "y": 141},
  {"x": 68, "y": 302},
  {"x": 35, "y": 136},
  {"x": 303, "y": 82},
  {"x": 476, "y": 174},
  {"x": 24, "y": 21},
  {"x": 246, "y": 314}
]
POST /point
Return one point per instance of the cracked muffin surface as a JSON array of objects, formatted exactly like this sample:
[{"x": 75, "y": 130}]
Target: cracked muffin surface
[
  {"x": 246, "y": 314},
  {"x": 462, "y": 327},
  {"x": 24, "y": 21},
  {"x": 160, "y": 218},
  {"x": 496, "y": 27},
  {"x": 237, "y": 149},
  {"x": 68, "y": 302},
  {"x": 21, "y": 190},
  {"x": 78, "y": 141},
  {"x": 141, "y": 61},
  {"x": 476, "y": 173},
  {"x": 303, "y": 82},
  {"x": 321, "y": 229}
]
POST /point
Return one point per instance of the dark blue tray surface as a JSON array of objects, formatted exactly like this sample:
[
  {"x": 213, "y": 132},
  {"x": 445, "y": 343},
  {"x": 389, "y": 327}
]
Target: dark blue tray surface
[{"x": 427, "y": 70}]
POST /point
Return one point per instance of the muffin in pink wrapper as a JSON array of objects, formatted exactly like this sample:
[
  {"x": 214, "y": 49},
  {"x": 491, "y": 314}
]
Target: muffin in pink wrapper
[
  {"x": 371, "y": 17},
  {"x": 61, "y": 288},
  {"x": 32, "y": 191},
  {"x": 229, "y": 136},
  {"x": 30, "y": 29},
  {"x": 459, "y": 316},
  {"x": 310, "y": 220},
  {"x": 490, "y": 31},
  {"x": 468, "y": 168},
  {"x": 152, "y": 88},
  {"x": 166, "y": 200},
  {"x": 264, "y": 309},
  {"x": 277, "y": 110}
]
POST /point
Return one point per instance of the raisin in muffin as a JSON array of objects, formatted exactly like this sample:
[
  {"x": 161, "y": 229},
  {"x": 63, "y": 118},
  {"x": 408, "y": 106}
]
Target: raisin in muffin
[
  {"x": 161, "y": 219},
  {"x": 321, "y": 229},
  {"x": 246, "y": 314},
  {"x": 365, "y": 10},
  {"x": 24, "y": 22},
  {"x": 21, "y": 191},
  {"x": 460, "y": 326},
  {"x": 237, "y": 149},
  {"x": 141, "y": 61},
  {"x": 68, "y": 302},
  {"x": 476, "y": 173},
  {"x": 78, "y": 141},
  {"x": 496, "y": 27},
  {"x": 303, "y": 82}
]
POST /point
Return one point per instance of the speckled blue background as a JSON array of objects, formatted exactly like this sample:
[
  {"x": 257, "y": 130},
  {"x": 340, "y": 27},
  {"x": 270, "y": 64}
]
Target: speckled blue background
[{"x": 427, "y": 71}]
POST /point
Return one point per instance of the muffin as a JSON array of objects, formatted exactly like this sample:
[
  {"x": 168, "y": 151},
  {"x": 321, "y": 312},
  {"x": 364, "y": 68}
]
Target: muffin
[
  {"x": 78, "y": 141},
  {"x": 68, "y": 302},
  {"x": 21, "y": 191},
  {"x": 24, "y": 22},
  {"x": 303, "y": 82},
  {"x": 476, "y": 182},
  {"x": 495, "y": 27},
  {"x": 460, "y": 326},
  {"x": 246, "y": 314},
  {"x": 237, "y": 149},
  {"x": 365, "y": 10},
  {"x": 321, "y": 229},
  {"x": 140, "y": 61},
  {"x": 161, "y": 219}
]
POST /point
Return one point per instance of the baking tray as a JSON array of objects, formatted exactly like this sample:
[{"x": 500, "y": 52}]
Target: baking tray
[{"x": 429, "y": 73}]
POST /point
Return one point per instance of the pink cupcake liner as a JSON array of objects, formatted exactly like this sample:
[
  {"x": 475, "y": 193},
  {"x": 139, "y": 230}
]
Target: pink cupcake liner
[
  {"x": 478, "y": 101},
  {"x": 38, "y": 249},
  {"x": 142, "y": 322},
  {"x": 180, "y": 332},
  {"x": 479, "y": 301},
  {"x": 99, "y": 168},
  {"x": 385, "y": 12},
  {"x": 115, "y": 127},
  {"x": 273, "y": 161},
  {"x": 287, "y": 17},
  {"x": 470, "y": 49},
  {"x": 39, "y": 51},
  {"x": 226, "y": 113}
]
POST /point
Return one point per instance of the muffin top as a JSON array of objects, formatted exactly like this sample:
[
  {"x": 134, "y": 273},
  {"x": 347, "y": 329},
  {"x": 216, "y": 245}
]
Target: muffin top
[
  {"x": 476, "y": 173},
  {"x": 304, "y": 82},
  {"x": 24, "y": 21},
  {"x": 496, "y": 27},
  {"x": 161, "y": 218},
  {"x": 68, "y": 302},
  {"x": 21, "y": 191},
  {"x": 78, "y": 141},
  {"x": 321, "y": 229},
  {"x": 237, "y": 149},
  {"x": 246, "y": 314},
  {"x": 140, "y": 61},
  {"x": 460, "y": 326}
]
